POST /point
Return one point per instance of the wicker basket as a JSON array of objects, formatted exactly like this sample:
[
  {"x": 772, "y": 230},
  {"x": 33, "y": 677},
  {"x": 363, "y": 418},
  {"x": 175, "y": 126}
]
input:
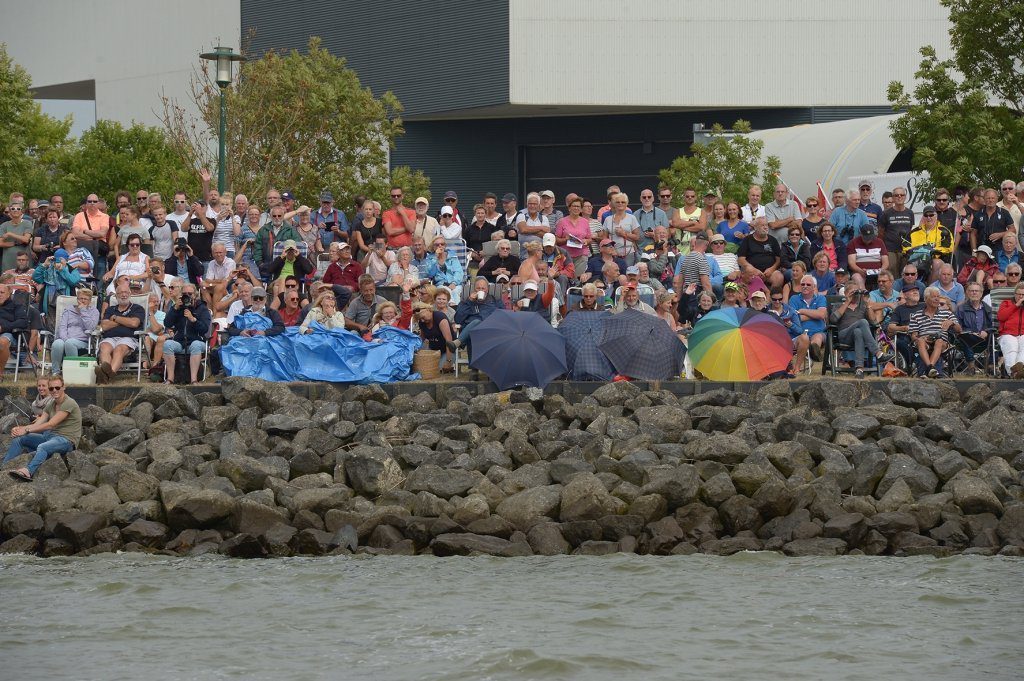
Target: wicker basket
[{"x": 427, "y": 364}]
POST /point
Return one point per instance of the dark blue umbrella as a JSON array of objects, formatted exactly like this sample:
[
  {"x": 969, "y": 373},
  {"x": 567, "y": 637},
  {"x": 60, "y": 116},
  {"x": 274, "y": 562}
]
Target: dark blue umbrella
[
  {"x": 641, "y": 345},
  {"x": 582, "y": 330},
  {"x": 518, "y": 348}
]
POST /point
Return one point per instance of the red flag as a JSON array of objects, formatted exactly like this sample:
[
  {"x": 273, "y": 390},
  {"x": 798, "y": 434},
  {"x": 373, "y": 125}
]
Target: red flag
[{"x": 823, "y": 202}]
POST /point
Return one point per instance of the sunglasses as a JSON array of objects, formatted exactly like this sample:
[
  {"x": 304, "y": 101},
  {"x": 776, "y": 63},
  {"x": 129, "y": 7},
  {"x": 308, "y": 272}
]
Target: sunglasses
[
  {"x": 776, "y": 300},
  {"x": 291, "y": 286},
  {"x": 812, "y": 205},
  {"x": 807, "y": 284},
  {"x": 665, "y": 196},
  {"x": 259, "y": 297},
  {"x": 1013, "y": 274},
  {"x": 57, "y": 389},
  {"x": 450, "y": 200},
  {"x": 91, "y": 201},
  {"x": 394, "y": 196},
  {"x": 910, "y": 274}
]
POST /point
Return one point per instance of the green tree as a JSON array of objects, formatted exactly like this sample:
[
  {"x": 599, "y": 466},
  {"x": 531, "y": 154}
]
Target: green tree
[
  {"x": 29, "y": 139},
  {"x": 964, "y": 118},
  {"x": 727, "y": 165},
  {"x": 109, "y": 157},
  {"x": 301, "y": 122}
]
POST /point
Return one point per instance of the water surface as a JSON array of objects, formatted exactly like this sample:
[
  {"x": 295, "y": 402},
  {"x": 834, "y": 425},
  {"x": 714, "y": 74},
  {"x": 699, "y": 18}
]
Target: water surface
[{"x": 752, "y": 615}]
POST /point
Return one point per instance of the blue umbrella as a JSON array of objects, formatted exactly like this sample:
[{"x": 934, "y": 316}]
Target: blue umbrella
[
  {"x": 582, "y": 330},
  {"x": 641, "y": 345},
  {"x": 518, "y": 348}
]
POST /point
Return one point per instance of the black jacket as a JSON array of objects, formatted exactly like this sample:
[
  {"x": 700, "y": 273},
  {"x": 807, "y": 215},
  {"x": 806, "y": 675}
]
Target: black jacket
[
  {"x": 496, "y": 262},
  {"x": 185, "y": 331},
  {"x": 13, "y": 316},
  {"x": 192, "y": 264},
  {"x": 303, "y": 267}
]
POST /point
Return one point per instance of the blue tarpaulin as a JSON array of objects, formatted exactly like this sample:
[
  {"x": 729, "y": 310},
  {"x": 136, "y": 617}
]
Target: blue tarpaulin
[{"x": 334, "y": 355}]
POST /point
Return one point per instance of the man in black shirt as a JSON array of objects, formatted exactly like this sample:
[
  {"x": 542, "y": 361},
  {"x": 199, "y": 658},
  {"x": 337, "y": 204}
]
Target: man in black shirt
[
  {"x": 992, "y": 221},
  {"x": 899, "y": 323},
  {"x": 760, "y": 255},
  {"x": 895, "y": 225}
]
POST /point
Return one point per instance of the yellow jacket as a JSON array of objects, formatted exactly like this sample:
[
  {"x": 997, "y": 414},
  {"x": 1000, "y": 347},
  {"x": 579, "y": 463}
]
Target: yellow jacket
[{"x": 939, "y": 238}]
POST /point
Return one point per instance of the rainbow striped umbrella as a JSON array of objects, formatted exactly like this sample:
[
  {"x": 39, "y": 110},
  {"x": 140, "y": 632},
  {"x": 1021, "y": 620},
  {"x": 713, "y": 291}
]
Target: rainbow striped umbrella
[{"x": 739, "y": 344}]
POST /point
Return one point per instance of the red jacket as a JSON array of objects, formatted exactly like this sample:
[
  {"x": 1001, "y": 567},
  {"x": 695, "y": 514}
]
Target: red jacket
[
  {"x": 1011, "y": 319},
  {"x": 972, "y": 266},
  {"x": 348, "y": 276}
]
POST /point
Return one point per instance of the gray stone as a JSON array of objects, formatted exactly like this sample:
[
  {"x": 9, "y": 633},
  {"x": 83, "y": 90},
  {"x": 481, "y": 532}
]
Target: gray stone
[
  {"x": 546, "y": 539},
  {"x": 531, "y": 506},
  {"x": 723, "y": 447},
  {"x": 468, "y": 544},
  {"x": 133, "y": 485},
  {"x": 21, "y": 543},
  {"x": 254, "y": 518},
  {"x": 973, "y": 495},
  {"x": 585, "y": 498},
  {"x": 126, "y": 441},
  {"x": 921, "y": 480},
  {"x": 444, "y": 483},
  {"x": 243, "y": 545},
  {"x": 189, "y": 507},
  {"x": 318, "y": 500},
  {"x": 857, "y": 424},
  {"x": 77, "y": 527},
  {"x": 891, "y": 523},
  {"x": 948, "y": 465},
  {"x": 739, "y": 514},
  {"x": 717, "y": 489},
  {"x": 670, "y": 420},
  {"x": 372, "y": 473},
  {"x": 110, "y": 426},
  {"x": 850, "y": 527},
  {"x": 678, "y": 485},
  {"x": 130, "y": 511},
  {"x": 821, "y": 546},
  {"x": 596, "y": 548},
  {"x": 773, "y": 499},
  {"x": 219, "y": 419},
  {"x": 30, "y": 524},
  {"x": 1011, "y": 525},
  {"x": 915, "y": 394},
  {"x": 731, "y": 545},
  {"x": 748, "y": 477},
  {"x": 20, "y": 499},
  {"x": 103, "y": 501},
  {"x": 789, "y": 456},
  {"x": 145, "y": 532},
  {"x": 244, "y": 472}
]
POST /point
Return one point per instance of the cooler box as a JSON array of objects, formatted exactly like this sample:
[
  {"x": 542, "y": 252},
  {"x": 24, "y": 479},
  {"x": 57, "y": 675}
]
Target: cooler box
[{"x": 79, "y": 370}]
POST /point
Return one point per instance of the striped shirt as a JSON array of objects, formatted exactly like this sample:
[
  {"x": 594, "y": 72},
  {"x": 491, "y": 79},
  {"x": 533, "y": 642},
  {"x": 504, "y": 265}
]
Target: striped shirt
[{"x": 923, "y": 325}]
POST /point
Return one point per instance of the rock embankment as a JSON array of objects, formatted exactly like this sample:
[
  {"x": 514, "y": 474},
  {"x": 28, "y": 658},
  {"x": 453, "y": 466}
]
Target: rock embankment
[{"x": 254, "y": 470}]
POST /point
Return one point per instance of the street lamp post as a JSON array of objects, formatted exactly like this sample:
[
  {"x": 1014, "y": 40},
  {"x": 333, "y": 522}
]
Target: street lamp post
[{"x": 222, "y": 56}]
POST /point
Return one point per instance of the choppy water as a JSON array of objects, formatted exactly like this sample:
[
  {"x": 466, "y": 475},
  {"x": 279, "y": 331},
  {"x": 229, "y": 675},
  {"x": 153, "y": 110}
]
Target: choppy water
[{"x": 749, "y": 616}]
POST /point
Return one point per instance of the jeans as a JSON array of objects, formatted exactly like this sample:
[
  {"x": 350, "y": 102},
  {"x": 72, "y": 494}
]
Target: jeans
[
  {"x": 859, "y": 334},
  {"x": 173, "y": 347},
  {"x": 971, "y": 343},
  {"x": 46, "y": 444},
  {"x": 61, "y": 347},
  {"x": 467, "y": 329}
]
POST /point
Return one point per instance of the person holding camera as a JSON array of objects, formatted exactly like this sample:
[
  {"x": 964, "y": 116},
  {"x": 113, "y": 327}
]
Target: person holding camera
[
  {"x": 46, "y": 239},
  {"x": 929, "y": 332},
  {"x": 851, "y": 318},
  {"x": 187, "y": 324},
  {"x": 1011, "y": 333}
]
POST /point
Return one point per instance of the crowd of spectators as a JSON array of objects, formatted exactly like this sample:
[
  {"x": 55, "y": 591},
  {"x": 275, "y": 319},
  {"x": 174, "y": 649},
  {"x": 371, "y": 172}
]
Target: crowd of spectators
[{"x": 860, "y": 270}]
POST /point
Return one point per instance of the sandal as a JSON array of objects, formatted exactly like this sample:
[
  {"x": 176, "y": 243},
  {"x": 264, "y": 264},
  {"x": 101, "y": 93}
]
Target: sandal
[
  {"x": 21, "y": 475},
  {"x": 447, "y": 369}
]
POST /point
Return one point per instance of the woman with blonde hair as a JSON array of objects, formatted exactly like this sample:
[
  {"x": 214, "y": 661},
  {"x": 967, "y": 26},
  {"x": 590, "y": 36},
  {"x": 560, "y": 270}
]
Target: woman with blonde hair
[
  {"x": 326, "y": 314},
  {"x": 528, "y": 268}
]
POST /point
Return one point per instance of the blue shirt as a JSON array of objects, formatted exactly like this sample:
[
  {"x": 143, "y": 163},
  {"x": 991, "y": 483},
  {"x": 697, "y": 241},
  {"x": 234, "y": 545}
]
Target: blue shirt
[
  {"x": 825, "y": 281},
  {"x": 733, "y": 235},
  {"x": 818, "y": 302},
  {"x": 877, "y": 297},
  {"x": 956, "y": 294},
  {"x": 848, "y": 225}
]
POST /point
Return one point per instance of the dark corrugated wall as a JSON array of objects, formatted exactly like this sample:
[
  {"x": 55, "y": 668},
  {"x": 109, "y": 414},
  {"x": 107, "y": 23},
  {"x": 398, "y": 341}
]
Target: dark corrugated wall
[
  {"x": 435, "y": 56},
  {"x": 572, "y": 153}
]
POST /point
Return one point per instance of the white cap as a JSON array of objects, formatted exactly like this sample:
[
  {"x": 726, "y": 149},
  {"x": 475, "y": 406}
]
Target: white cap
[
  {"x": 447, "y": 210},
  {"x": 530, "y": 286},
  {"x": 548, "y": 240}
]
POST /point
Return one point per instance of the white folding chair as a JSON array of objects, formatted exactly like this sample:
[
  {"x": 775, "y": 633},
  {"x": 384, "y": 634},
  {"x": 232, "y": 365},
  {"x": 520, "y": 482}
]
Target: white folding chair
[{"x": 61, "y": 304}]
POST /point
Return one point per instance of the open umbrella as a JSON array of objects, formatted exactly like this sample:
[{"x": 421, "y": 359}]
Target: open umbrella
[
  {"x": 518, "y": 348},
  {"x": 641, "y": 345},
  {"x": 582, "y": 330},
  {"x": 740, "y": 344}
]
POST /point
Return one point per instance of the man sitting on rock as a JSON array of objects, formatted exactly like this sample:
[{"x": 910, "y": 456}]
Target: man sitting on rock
[{"x": 56, "y": 431}]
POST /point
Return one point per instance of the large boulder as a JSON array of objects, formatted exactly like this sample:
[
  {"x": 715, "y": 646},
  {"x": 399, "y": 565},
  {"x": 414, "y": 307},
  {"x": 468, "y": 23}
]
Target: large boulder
[
  {"x": 531, "y": 506},
  {"x": 189, "y": 507},
  {"x": 77, "y": 527},
  {"x": 110, "y": 426},
  {"x": 915, "y": 394},
  {"x": 724, "y": 448},
  {"x": 671, "y": 421},
  {"x": 920, "y": 479},
  {"x": 442, "y": 482},
  {"x": 133, "y": 485},
  {"x": 584, "y": 497},
  {"x": 679, "y": 485},
  {"x": 372, "y": 472},
  {"x": 466, "y": 544},
  {"x": 973, "y": 495},
  {"x": 255, "y": 518},
  {"x": 145, "y": 532}
]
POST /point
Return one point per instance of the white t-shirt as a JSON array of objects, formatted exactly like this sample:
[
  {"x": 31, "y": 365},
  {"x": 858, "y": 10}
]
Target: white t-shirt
[
  {"x": 525, "y": 219},
  {"x": 623, "y": 246},
  {"x": 749, "y": 216}
]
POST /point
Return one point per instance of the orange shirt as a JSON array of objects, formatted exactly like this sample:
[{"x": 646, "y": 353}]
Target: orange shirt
[
  {"x": 392, "y": 219},
  {"x": 97, "y": 221}
]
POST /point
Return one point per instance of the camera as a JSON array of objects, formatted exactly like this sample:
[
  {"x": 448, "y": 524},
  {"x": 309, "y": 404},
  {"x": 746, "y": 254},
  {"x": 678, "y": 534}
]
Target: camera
[
  {"x": 187, "y": 300},
  {"x": 154, "y": 270}
]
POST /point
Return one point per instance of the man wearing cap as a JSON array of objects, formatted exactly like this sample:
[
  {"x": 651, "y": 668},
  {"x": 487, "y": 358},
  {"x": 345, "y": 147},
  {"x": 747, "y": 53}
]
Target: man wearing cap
[
  {"x": 289, "y": 263},
  {"x": 183, "y": 264},
  {"x": 696, "y": 267},
  {"x": 867, "y": 256},
  {"x": 447, "y": 227},
  {"x": 547, "y": 208},
  {"x": 596, "y": 263},
  {"x": 993, "y": 221},
  {"x": 399, "y": 222},
  {"x": 894, "y": 225},
  {"x": 560, "y": 265},
  {"x": 259, "y": 306},
  {"x": 509, "y": 215},
  {"x": 426, "y": 225},
  {"x": 630, "y": 300},
  {"x": 931, "y": 233},
  {"x": 269, "y": 234},
  {"x": 849, "y": 219},
  {"x": 451, "y": 199},
  {"x": 535, "y": 301},
  {"x": 344, "y": 270},
  {"x": 872, "y": 209},
  {"x": 329, "y": 221},
  {"x": 980, "y": 268}
]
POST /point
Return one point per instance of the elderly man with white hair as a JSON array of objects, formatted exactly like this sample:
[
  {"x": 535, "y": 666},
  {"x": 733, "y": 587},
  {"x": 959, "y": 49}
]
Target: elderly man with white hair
[
  {"x": 782, "y": 214},
  {"x": 849, "y": 219},
  {"x": 929, "y": 331}
]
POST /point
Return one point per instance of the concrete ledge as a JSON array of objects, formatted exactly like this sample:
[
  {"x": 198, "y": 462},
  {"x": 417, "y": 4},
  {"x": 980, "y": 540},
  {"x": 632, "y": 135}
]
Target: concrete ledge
[{"x": 109, "y": 396}]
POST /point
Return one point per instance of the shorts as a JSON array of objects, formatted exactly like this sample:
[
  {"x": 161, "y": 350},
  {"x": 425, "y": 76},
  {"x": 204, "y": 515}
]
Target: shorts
[
  {"x": 9, "y": 337},
  {"x": 118, "y": 341},
  {"x": 173, "y": 347}
]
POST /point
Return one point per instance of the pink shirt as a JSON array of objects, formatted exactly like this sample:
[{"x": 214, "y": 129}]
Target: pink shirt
[{"x": 579, "y": 229}]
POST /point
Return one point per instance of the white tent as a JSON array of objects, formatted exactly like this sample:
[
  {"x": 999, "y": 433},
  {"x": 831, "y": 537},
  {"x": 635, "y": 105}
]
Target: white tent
[{"x": 830, "y": 152}]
